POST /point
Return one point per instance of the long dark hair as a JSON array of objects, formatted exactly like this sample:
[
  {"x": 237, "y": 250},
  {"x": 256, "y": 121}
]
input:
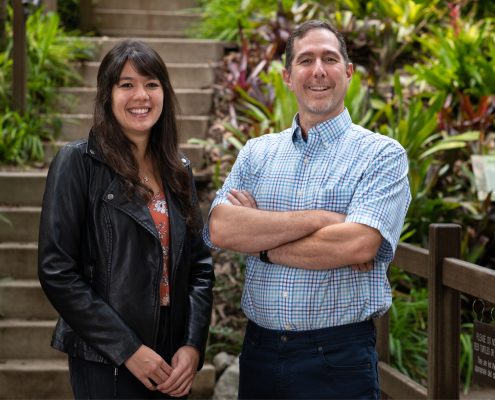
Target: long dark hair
[{"x": 163, "y": 146}]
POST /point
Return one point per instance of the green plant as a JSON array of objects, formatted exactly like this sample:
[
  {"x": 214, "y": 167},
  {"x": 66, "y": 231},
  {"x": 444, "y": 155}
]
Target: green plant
[
  {"x": 21, "y": 136},
  {"x": 460, "y": 58},
  {"x": 6, "y": 220},
  {"x": 51, "y": 51},
  {"x": 408, "y": 325}
]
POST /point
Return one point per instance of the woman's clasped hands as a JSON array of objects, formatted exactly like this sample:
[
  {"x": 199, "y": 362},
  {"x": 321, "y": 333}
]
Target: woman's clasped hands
[{"x": 175, "y": 380}]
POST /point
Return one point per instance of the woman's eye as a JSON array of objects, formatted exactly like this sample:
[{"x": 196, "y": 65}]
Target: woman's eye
[
  {"x": 152, "y": 84},
  {"x": 126, "y": 85}
]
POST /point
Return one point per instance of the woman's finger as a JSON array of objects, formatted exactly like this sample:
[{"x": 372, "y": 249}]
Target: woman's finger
[
  {"x": 166, "y": 368},
  {"x": 182, "y": 390},
  {"x": 233, "y": 200}
]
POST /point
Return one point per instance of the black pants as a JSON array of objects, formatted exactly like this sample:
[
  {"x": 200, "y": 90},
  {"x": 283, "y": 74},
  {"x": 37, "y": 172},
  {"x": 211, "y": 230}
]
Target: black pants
[{"x": 93, "y": 380}]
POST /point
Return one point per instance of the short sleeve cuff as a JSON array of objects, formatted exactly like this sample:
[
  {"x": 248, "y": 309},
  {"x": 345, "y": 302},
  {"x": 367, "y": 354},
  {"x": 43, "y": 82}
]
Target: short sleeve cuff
[
  {"x": 387, "y": 249},
  {"x": 206, "y": 229}
]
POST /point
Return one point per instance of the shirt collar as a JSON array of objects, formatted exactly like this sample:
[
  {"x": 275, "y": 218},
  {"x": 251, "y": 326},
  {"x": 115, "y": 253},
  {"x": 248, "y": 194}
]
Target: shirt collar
[{"x": 328, "y": 130}]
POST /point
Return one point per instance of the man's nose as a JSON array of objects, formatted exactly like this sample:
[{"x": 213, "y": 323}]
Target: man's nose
[{"x": 319, "y": 69}]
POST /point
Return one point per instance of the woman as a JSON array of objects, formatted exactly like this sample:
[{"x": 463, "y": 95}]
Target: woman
[{"x": 121, "y": 256}]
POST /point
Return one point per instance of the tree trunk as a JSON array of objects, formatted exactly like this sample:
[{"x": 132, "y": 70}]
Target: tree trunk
[{"x": 3, "y": 20}]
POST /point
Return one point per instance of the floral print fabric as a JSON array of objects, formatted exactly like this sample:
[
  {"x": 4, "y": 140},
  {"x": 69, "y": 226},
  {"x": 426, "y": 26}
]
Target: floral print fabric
[{"x": 159, "y": 212}]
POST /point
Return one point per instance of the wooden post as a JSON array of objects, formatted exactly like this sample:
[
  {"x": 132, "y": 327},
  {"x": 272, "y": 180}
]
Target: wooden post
[
  {"x": 50, "y": 5},
  {"x": 3, "y": 20},
  {"x": 19, "y": 81},
  {"x": 444, "y": 316},
  {"x": 383, "y": 338},
  {"x": 85, "y": 14}
]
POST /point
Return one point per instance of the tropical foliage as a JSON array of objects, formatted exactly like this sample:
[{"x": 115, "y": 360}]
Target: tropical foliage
[{"x": 49, "y": 55}]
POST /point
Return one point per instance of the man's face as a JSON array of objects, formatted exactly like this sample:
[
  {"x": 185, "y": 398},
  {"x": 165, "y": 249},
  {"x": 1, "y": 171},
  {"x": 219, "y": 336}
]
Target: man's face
[{"x": 319, "y": 77}]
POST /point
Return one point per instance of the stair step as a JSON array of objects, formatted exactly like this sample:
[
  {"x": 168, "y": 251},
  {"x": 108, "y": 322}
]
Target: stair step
[
  {"x": 35, "y": 379},
  {"x": 25, "y": 299},
  {"x": 171, "y": 50},
  {"x": 160, "y": 5},
  {"x": 19, "y": 260},
  {"x": 19, "y": 188},
  {"x": 21, "y": 339},
  {"x": 49, "y": 379},
  {"x": 182, "y": 76},
  {"x": 111, "y": 21},
  {"x": 79, "y": 100},
  {"x": 26, "y": 222},
  {"x": 193, "y": 152}
]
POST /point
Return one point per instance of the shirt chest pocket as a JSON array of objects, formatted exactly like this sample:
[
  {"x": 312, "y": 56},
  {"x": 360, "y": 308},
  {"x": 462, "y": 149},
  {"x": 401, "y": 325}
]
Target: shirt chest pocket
[{"x": 335, "y": 199}]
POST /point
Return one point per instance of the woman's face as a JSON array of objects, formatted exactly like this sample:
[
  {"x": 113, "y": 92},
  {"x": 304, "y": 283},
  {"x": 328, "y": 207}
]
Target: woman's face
[{"x": 137, "y": 102}]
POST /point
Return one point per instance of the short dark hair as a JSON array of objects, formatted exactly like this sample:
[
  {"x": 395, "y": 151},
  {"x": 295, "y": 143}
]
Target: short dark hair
[{"x": 301, "y": 31}]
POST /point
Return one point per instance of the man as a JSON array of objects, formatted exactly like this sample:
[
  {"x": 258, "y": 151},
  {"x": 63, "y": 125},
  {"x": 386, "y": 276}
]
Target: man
[{"x": 312, "y": 205}]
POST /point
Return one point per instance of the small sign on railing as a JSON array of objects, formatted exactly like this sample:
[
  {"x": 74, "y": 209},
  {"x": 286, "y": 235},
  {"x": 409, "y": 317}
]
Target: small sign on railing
[
  {"x": 484, "y": 175},
  {"x": 483, "y": 352}
]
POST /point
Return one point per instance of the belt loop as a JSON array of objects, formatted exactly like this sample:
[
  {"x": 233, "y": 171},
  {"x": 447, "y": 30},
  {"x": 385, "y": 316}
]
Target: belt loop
[
  {"x": 313, "y": 350},
  {"x": 257, "y": 335}
]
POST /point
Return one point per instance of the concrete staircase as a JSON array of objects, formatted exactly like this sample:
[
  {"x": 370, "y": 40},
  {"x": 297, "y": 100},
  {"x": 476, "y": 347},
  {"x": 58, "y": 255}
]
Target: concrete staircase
[{"x": 29, "y": 367}]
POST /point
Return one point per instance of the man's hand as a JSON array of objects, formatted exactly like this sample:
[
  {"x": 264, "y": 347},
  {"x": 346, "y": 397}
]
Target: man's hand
[
  {"x": 244, "y": 199},
  {"x": 241, "y": 198},
  {"x": 145, "y": 364},
  {"x": 185, "y": 363}
]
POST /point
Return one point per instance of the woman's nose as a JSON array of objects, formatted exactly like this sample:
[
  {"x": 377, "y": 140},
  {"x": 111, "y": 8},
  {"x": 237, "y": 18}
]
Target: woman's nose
[{"x": 140, "y": 93}]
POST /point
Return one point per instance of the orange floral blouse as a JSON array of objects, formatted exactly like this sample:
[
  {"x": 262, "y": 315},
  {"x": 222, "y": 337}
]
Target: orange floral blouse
[{"x": 159, "y": 212}]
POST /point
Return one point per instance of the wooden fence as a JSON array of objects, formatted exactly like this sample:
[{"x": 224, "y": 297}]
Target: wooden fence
[{"x": 447, "y": 276}]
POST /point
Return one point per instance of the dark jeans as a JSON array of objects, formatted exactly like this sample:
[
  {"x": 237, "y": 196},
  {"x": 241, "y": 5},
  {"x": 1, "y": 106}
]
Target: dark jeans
[
  {"x": 93, "y": 380},
  {"x": 332, "y": 363}
]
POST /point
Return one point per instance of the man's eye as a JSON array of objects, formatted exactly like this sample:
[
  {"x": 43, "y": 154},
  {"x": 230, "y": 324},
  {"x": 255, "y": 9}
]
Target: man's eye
[{"x": 126, "y": 85}]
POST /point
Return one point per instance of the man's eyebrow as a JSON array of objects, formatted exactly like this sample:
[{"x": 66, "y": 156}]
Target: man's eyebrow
[{"x": 311, "y": 54}]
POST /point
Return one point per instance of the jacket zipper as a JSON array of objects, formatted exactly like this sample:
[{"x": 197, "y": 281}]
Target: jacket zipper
[
  {"x": 91, "y": 273},
  {"x": 157, "y": 316}
]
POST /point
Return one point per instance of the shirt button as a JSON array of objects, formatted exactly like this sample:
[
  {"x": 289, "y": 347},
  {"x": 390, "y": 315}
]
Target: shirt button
[
  {"x": 284, "y": 339},
  {"x": 286, "y": 294},
  {"x": 306, "y": 161},
  {"x": 287, "y": 327},
  {"x": 325, "y": 144},
  {"x": 299, "y": 193},
  {"x": 110, "y": 197}
]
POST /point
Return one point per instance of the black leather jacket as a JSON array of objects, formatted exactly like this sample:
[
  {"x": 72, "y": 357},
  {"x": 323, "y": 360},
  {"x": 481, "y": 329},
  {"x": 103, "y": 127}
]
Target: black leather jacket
[{"x": 101, "y": 262}]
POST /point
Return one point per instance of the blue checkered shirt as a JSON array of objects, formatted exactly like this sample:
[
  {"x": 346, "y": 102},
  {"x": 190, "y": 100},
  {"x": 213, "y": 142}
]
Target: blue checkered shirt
[{"x": 343, "y": 168}]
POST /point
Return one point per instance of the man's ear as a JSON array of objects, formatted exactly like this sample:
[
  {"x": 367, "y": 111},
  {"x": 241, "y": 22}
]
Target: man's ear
[
  {"x": 286, "y": 76},
  {"x": 349, "y": 72}
]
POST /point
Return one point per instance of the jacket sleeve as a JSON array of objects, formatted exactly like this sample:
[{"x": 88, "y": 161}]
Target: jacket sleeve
[
  {"x": 200, "y": 287},
  {"x": 60, "y": 260}
]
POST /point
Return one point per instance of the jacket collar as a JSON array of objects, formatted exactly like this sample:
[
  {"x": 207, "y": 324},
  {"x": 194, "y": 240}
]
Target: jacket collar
[{"x": 92, "y": 149}]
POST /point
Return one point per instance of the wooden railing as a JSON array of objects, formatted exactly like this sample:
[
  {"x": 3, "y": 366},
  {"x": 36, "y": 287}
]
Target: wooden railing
[{"x": 447, "y": 276}]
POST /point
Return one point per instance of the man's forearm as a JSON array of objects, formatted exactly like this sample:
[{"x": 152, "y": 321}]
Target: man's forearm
[
  {"x": 330, "y": 247},
  {"x": 250, "y": 230}
]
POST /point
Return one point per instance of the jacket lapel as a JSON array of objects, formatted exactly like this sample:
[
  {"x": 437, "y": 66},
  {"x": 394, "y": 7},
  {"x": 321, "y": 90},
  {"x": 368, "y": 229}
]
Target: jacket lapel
[
  {"x": 136, "y": 208},
  {"x": 177, "y": 228}
]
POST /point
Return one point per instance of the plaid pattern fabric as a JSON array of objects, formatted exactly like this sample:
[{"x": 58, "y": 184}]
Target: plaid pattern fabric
[{"x": 343, "y": 168}]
